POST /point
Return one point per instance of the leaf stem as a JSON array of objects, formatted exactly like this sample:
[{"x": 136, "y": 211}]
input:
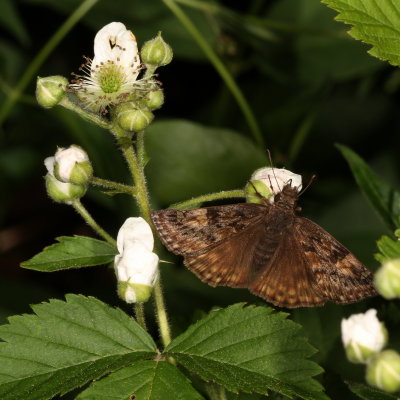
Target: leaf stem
[
  {"x": 163, "y": 324},
  {"x": 33, "y": 67},
  {"x": 81, "y": 210},
  {"x": 139, "y": 313},
  {"x": 227, "y": 194},
  {"x": 221, "y": 69},
  {"x": 113, "y": 185}
]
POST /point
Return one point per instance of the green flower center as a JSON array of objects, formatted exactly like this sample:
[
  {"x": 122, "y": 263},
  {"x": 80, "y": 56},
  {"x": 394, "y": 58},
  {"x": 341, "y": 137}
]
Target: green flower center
[{"x": 110, "y": 77}]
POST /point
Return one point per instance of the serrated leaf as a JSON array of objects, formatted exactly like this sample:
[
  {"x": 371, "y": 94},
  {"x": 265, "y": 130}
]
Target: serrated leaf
[
  {"x": 375, "y": 22},
  {"x": 146, "y": 380},
  {"x": 384, "y": 199},
  {"x": 368, "y": 393},
  {"x": 249, "y": 349},
  {"x": 388, "y": 248},
  {"x": 72, "y": 252},
  {"x": 65, "y": 345}
]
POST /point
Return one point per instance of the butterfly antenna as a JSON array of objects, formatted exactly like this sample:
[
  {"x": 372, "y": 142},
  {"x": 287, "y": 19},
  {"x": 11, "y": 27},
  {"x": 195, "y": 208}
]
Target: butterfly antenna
[
  {"x": 312, "y": 179},
  {"x": 273, "y": 171}
]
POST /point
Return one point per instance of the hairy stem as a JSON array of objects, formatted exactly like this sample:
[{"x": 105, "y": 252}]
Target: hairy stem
[
  {"x": 113, "y": 185},
  {"x": 81, "y": 210}
]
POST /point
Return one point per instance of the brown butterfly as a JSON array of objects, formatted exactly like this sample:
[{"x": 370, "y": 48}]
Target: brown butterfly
[{"x": 287, "y": 260}]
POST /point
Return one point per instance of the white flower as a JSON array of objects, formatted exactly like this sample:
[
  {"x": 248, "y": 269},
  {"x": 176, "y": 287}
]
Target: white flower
[
  {"x": 275, "y": 179},
  {"x": 387, "y": 279},
  {"x": 72, "y": 165},
  {"x": 112, "y": 74},
  {"x": 136, "y": 266},
  {"x": 363, "y": 335}
]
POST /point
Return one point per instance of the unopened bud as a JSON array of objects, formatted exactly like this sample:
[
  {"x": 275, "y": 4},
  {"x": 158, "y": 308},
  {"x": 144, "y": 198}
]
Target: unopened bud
[
  {"x": 50, "y": 90},
  {"x": 387, "y": 279},
  {"x": 363, "y": 335},
  {"x": 156, "y": 52},
  {"x": 72, "y": 165},
  {"x": 133, "y": 119},
  {"x": 154, "y": 99},
  {"x": 383, "y": 371}
]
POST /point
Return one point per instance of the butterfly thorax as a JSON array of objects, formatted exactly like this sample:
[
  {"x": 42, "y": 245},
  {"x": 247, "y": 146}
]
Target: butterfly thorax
[{"x": 286, "y": 200}]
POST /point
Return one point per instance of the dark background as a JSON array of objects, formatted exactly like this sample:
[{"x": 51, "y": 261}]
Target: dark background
[{"x": 309, "y": 84}]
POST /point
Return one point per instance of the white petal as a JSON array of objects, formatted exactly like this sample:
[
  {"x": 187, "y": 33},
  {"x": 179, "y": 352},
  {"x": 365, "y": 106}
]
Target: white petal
[
  {"x": 115, "y": 43},
  {"x": 67, "y": 158},
  {"x": 134, "y": 229},
  {"x": 49, "y": 164}
]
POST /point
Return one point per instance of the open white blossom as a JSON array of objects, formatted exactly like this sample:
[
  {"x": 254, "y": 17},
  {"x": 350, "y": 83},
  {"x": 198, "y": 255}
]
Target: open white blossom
[
  {"x": 274, "y": 180},
  {"x": 363, "y": 335},
  {"x": 111, "y": 76},
  {"x": 136, "y": 266}
]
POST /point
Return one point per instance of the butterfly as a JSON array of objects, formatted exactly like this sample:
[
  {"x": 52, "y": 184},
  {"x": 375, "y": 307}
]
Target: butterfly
[{"x": 287, "y": 260}]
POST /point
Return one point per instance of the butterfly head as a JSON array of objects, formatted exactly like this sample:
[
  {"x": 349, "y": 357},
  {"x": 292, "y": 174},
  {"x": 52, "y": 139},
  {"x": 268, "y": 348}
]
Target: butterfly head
[{"x": 287, "y": 197}]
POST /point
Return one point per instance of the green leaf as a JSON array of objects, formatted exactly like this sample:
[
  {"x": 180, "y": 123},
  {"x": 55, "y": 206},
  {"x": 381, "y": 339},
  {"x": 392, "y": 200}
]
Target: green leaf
[
  {"x": 388, "y": 248},
  {"x": 249, "y": 349},
  {"x": 375, "y": 22},
  {"x": 368, "y": 393},
  {"x": 147, "y": 380},
  {"x": 72, "y": 252},
  {"x": 188, "y": 159},
  {"x": 384, "y": 199},
  {"x": 65, "y": 345}
]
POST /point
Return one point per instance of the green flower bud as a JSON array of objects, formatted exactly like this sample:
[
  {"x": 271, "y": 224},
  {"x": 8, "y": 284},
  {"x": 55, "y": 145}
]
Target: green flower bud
[
  {"x": 154, "y": 99},
  {"x": 72, "y": 165},
  {"x": 383, "y": 371},
  {"x": 134, "y": 292},
  {"x": 133, "y": 119},
  {"x": 255, "y": 189},
  {"x": 387, "y": 279},
  {"x": 50, "y": 90},
  {"x": 63, "y": 192},
  {"x": 156, "y": 52}
]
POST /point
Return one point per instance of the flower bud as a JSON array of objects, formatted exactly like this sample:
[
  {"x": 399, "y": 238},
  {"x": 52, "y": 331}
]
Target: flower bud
[
  {"x": 387, "y": 279},
  {"x": 136, "y": 266},
  {"x": 61, "y": 192},
  {"x": 133, "y": 119},
  {"x": 154, "y": 99},
  {"x": 50, "y": 90},
  {"x": 156, "y": 52},
  {"x": 363, "y": 335},
  {"x": 255, "y": 189},
  {"x": 275, "y": 179},
  {"x": 72, "y": 165},
  {"x": 383, "y": 371}
]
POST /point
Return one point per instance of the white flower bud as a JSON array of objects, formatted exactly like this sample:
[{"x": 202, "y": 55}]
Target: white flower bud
[
  {"x": 60, "y": 191},
  {"x": 72, "y": 165},
  {"x": 136, "y": 266},
  {"x": 271, "y": 181},
  {"x": 383, "y": 371},
  {"x": 363, "y": 335},
  {"x": 387, "y": 279}
]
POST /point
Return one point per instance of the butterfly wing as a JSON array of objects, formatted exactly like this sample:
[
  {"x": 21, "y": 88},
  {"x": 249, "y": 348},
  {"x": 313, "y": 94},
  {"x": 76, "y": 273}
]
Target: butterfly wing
[
  {"x": 283, "y": 278},
  {"x": 338, "y": 275},
  {"x": 216, "y": 242}
]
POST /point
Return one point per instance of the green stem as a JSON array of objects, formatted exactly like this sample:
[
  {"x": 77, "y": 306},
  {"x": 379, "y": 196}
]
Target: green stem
[
  {"x": 228, "y": 194},
  {"x": 113, "y": 185},
  {"x": 215, "y": 391},
  {"x": 143, "y": 202},
  {"x": 86, "y": 115},
  {"x": 33, "y": 67},
  {"x": 220, "y": 67},
  {"x": 139, "y": 313},
  {"x": 140, "y": 148},
  {"x": 81, "y": 210},
  {"x": 163, "y": 324}
]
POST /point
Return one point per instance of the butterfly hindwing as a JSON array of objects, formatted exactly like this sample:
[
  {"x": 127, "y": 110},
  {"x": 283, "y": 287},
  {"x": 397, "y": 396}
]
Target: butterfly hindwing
[{"x": 338, "y": 275}]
